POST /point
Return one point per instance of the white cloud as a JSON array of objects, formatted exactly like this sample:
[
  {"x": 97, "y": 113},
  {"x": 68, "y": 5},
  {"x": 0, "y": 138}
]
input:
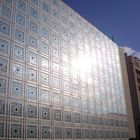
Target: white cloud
[
  {"x": 137, "y": 54},
  {"x": 132, "y": 52},
  {"x": 128, "y": 50}
]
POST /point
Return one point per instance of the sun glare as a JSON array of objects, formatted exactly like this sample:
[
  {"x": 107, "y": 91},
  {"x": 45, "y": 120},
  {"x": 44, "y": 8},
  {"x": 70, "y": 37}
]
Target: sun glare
[{"x": 82, "y": 64}]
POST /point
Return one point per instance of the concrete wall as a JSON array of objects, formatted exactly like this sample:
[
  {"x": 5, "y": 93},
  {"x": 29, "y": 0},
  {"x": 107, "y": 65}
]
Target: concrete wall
[{"x": 131, "y": 126}]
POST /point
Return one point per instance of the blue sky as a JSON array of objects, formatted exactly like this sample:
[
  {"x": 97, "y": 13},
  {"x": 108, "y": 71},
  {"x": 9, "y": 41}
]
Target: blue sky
[{"x": 118, "y": 18}]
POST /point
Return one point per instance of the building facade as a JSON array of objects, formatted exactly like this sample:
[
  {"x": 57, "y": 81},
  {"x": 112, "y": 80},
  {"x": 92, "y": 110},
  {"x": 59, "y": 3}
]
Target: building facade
[
  {"x": 129, "y": 104},
  {"x": 60, "y": 77},
  {"x": 133, "y": 67}
]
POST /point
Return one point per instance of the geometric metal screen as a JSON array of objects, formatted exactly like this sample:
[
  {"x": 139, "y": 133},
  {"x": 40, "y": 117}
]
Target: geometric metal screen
[{"x": 60, "y": 77}]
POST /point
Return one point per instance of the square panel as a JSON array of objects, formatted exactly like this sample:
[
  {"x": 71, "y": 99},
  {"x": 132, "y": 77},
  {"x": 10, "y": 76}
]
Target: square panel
[
  {"x": 54, "y": 13},
  {"x": 44, "y": 48},
  {"x": 57, "y": 132},
  {"x": 64, "y": 20},
  {"x": 33, "y": 41},
  {"x": 85, "y": 118},
  {"x": 68, "y": 133},
  {"x": 45, "y": 33},
  {"x": 64, "y": 31},
  {"x": 17, "y": 88},
  {"x": 44, "y": 79},
  {"x": 33, "y": 13},
  {"x": 78, "y": 133},
  {"x": 45, "y": 113},
  {"x": 18, "y": 52},
  {"x": 17, "y": 70},
  {"x": 2, "y": 106},
  {"x": 2, "y": 130},
  {"x": 77, "y": 117},
  {"x": 93, "y": 119},
  {"x": 31, "y": 74},
  {"x": 83, "y": 92},
  {"x": 44, "y": 63},
  {"x": 67, "y": 101},
  {"x": 9, "y": 1},
  {"x": 31, "y": 111},
  {"x": 64, "y": 44},
  {"x": 66, "y": 86},
  {"x": 5, "y": 11},
  {"x": 4, "y": 46},
  {"x": 31, "y": 131},
  {"x": 64, "y": 8},
  {"x": 56, "y": 99},
  {"x": 31, "y": 93},
  {"x": 45, "y": 20},
  {"x": 3, "y": 86},
  {"x": 3, "y": 65},
  {"x": 19, "y": 35},
  {"x": 85, "y": 106},
  {"x": 46, "y": 132},
  {"x": 32, "y": 57},
  {"x": 92, "y": 107},
  {"x": 90, "y": 94},
  {"x": 55, "y": 39},
  {"x": 57, "y": 114},
  {"x": 71, "y": 13},
  {"x": 21, "y": 5},
  {"x": 55, "y": 67},
  {"x": 56, "y": 82},
  {"x": 33, "y": 27},
  {"x": 65, "y": 71},
  {"x": 20, "y": 20},
  {"x": 16, "y": 109},
  {"x": 67, "y": 116},
  {"x": 80, "y": 42},
  {"x": 55, "y": 52},
  {"x": 44, "y": 96},
  {"x": 4, "y": 28},
  {"x": 55, "y": 3},
  {"x": 65, "y": 58},
  {"x": 79, "y": 32},
  {"x": 76, "y": 103},
  {"x": 36, "y": 2},
  {"x": 72, "y": 37},
  {"x": 45, "y": 7},
  {"x": 16, "y": 130},
  {"x": 75, "y": 88},
  {"x": 72, "y": 26},
  {"x": 55, "y": 26}
]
